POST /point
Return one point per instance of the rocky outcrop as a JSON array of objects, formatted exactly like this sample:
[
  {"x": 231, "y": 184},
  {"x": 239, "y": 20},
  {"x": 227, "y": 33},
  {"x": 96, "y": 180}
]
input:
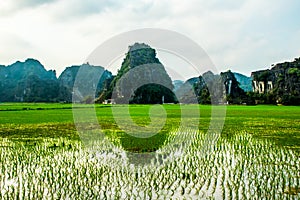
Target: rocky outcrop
[
  {"x": 232, "y": 86},
  {"x": 212, "y": 89},
  {"x": 28, "y": 81},
  {"x": 263, "y": 81},
  {"x": 22, "y": 70},
  {"x": 89, "y": 83},
  {"x": 141, "y": 79},
  {"x": 280, "y": 84}
]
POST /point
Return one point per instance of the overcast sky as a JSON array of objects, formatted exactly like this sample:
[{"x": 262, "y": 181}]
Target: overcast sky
[{"x": 241, "y": 35}]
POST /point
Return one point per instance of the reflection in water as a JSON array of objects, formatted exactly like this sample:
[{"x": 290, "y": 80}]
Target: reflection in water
[{"x": 239, "y": 168}]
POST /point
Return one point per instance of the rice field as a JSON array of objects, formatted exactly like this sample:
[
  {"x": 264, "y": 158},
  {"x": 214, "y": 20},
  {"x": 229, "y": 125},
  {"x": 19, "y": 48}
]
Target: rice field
[{"x": 256, "y": 157}]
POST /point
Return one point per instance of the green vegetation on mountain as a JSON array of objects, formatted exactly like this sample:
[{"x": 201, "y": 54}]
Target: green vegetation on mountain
[
  {"x": 89, "y": 83},
  {"x": 141, "y": 79},
  {"x": 278, "y": 85},
  {"x": 28, "y": 81},
  {"x": 210, "y": 88}
]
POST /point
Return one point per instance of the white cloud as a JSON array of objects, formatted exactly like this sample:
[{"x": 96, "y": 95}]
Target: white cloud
[
  {"x": 10, "y": 7},
  {"x": 244, "y": 35}
]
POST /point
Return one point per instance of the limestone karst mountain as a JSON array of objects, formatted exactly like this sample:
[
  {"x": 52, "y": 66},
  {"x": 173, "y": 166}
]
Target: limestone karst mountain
[
  {"x": 28, "y": 81},
  {"x": 141, "y": 79},
  {"x": 89, "y": 83},
  {"x": 280, "y": 84},
  {"x": 212, "y": 88}
]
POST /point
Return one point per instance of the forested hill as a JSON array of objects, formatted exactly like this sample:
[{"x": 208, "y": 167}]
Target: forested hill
[
  {"x": 224, "y": 87},
  {"x": 143, "y": 79},
  {"x": 142, "y": 68},
  {"x": 29, "y": 81},
  {"x": 91, "y": 78},
  {"x": 280, "y": 84}
]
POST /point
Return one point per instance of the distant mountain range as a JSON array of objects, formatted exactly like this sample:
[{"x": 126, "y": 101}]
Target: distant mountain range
[
  {"x": 29, "y": 81},
  {"x": 245, "y": 82}
]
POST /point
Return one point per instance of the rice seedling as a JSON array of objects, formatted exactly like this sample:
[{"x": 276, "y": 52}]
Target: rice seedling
[{"x": 47, "y": 161}]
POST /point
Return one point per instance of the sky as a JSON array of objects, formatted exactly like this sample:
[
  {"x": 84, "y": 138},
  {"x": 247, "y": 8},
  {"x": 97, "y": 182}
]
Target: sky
[{"x": 241, "y": 35}]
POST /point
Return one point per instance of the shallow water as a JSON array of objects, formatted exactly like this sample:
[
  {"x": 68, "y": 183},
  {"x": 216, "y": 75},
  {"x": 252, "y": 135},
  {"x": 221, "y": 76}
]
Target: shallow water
[{"x": 240, "y": 167}]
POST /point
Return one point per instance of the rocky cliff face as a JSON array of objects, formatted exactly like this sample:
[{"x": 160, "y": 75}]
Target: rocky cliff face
[
  {"x": 141, "y": 78},
  {"x": 280, "y": 84}
]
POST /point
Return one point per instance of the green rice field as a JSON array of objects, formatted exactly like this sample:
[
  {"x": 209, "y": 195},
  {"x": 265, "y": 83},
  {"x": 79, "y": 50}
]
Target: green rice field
[{"x": 43, "y": 156}]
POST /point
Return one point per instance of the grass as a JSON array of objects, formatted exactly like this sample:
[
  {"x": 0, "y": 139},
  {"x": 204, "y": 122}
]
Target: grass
[
  {"x": 280, "y": 124},
  {"x": 257, "y": 155}
]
